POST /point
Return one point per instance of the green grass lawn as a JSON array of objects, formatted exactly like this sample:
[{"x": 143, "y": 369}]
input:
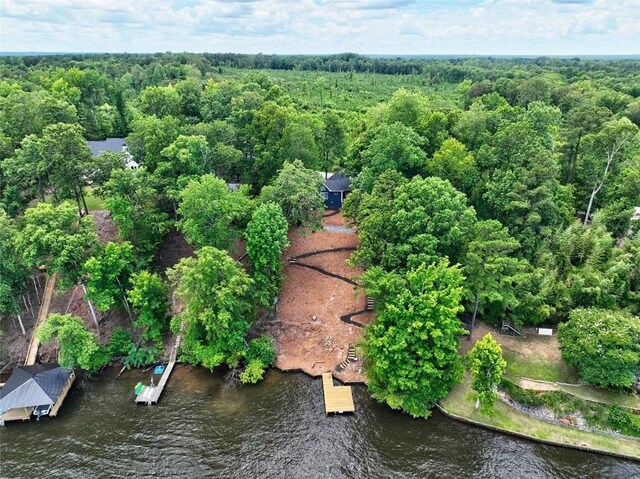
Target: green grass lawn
[
  {"x": 538, "y": 367},
  {"x": 93, "y": 202},
  {"x": 591, "y": 393},
  {"x": 510, "y": 419}
]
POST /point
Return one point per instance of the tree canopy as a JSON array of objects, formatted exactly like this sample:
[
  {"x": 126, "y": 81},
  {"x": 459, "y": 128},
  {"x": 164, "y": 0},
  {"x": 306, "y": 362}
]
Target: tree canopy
[
  {"x": 602, "y": 345},
  {"x": 411, "y": 345},
  {"x": 266, "y": 236}
]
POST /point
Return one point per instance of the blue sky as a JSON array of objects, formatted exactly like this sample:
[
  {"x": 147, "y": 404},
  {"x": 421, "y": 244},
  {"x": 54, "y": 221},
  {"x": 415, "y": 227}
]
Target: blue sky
[{"x": 485, "y": 27}]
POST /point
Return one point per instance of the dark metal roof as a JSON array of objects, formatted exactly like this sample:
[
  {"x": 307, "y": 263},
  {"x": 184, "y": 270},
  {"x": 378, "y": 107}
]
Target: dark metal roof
[
  {"x": 35, "y": 385},
  {"x": 110, "y": 144},
  {"x": 337, "y": 182}
]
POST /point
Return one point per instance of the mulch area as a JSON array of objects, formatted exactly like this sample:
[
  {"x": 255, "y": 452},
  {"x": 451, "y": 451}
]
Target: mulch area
[{"x": 308, "y": 332}]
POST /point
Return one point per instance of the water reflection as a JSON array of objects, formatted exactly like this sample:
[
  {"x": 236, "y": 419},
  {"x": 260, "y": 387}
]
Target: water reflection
[{"x": 275, "y": 429}]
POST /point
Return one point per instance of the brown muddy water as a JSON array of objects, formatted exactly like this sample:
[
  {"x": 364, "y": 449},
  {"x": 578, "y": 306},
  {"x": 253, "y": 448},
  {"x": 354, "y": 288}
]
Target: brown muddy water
[{"x": 276, "y": 429}]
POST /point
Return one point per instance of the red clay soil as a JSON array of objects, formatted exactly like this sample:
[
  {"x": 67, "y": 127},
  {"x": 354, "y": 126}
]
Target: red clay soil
[{"x": 318, "y": 345}]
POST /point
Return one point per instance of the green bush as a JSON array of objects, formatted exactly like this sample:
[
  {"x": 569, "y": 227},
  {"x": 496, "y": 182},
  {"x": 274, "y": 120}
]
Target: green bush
[
  {"x": 253, "y": 372},
  {"x": 560, "y": 402},
  {"x": 624, "y": 420},
  {"x": 522, "y": 396},
  {"x": 139, "y": 356},
  {"x": 602, "y": 345},
  {"x": 119, "y": 343}
]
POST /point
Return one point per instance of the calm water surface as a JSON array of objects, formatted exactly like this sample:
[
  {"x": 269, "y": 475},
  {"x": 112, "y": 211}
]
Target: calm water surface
[{"x": 275, "y": 429}]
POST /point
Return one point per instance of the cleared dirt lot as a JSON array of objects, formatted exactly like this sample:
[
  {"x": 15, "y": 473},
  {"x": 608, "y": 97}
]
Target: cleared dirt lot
[{"x": 308, "y": 332}]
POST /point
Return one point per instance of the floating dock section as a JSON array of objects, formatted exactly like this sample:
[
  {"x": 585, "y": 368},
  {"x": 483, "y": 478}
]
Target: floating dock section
[
  {"x": 337, "y": 399},
  {"x": 151, "y": 394}
]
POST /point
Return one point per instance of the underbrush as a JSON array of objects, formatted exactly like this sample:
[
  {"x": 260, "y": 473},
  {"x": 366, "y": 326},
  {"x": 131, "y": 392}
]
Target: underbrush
[{"x": 568, "y": 407}]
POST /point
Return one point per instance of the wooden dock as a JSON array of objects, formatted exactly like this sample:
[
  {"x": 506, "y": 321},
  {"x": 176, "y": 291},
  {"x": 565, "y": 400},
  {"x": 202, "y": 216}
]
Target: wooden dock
[
  {"x": 34, "y": 344},
  {"x": 151, "y": 394},
  {"x": 337, "y": 399}
]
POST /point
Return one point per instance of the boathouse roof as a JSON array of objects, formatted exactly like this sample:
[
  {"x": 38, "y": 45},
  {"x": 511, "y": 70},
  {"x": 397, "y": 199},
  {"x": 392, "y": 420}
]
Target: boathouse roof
[{"x": 36, "y": 385}]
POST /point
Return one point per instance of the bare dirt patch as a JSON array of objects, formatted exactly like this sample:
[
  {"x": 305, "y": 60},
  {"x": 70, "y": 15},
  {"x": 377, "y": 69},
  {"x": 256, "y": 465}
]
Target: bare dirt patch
[
  {"x": 106, "y": 229},
  {"x": 308, "y": 332},
  {"x": 530, "y": 344},
  {"x": 173, "y": 248}
]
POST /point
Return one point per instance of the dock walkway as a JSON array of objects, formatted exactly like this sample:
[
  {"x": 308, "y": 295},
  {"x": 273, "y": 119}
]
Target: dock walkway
[
  {"x": 151, "y": 394},
  {"x": 34, "y": 344},
  {"x": 337, "y": 399}
]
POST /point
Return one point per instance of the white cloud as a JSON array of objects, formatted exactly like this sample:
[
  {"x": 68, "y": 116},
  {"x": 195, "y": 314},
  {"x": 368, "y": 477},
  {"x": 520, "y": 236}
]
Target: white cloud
[{"x": 323, "y": 26}]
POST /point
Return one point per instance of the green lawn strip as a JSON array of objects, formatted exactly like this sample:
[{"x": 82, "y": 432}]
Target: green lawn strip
[
  {"x": 591, "y": 393},
  {"x": 512, "y": 420},
  {"x": 538, "y": 368},
  {"x": 93, "y": 202}
]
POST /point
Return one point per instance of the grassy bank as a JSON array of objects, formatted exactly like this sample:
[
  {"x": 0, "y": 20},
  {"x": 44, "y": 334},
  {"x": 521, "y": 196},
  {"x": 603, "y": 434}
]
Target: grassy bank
[
  {"x": 538, "y": 367},
  {"x": 509, "y": 419}
]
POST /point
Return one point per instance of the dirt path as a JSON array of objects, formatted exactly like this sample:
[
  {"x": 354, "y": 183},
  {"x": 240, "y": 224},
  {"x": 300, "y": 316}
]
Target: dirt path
[{"x": 308, "y": 332}]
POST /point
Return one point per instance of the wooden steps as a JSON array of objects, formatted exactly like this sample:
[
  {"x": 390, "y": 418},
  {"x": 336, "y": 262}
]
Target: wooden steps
[{"x": 351, "y": 357}]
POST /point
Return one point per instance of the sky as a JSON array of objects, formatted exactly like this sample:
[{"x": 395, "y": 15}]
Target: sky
[{"x": 409, "y": 27}]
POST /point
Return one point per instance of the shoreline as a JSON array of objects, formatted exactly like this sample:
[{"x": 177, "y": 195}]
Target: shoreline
[
  {"x": 516, "y": 415},
  {"x": 498, "y": 429},
  {"x": 521, "y": 435}
]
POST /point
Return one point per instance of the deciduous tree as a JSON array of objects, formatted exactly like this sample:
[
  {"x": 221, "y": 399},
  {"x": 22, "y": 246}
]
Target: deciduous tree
[
  {"x": 211, "y": 214},
  {"x": 487, "y": 366},
  {"x": 297, "y": 190},
  {"x": 266, "y": 236},
  {"x": 411, "y": 345},
  {"x": 78, "y": 346},
  {"x": 148, "y": 297},
  {"x": 602, "y": 345}
]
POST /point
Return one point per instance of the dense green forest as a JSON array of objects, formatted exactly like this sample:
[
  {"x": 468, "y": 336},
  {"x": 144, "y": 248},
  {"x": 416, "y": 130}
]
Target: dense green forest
[{"x": 493, "y": 189}]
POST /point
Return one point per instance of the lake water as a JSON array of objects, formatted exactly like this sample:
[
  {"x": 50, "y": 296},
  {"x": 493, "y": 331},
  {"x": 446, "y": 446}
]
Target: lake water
[{"x": 274, "y": 429}]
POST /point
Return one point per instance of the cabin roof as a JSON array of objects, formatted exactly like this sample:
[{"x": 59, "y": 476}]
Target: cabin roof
[
  {"x": 36, "y": 385},
  {"x": 110, "y": 144},
  {"x": 337, "y": 182}
]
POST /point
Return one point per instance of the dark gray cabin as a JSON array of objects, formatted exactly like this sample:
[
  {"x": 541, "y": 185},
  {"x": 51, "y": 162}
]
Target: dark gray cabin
[{"x": 335, "y": 190}]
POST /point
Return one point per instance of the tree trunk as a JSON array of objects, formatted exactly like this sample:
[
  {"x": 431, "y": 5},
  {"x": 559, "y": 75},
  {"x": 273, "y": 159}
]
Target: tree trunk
[
  {"x": 75, "y": 193},
  {"x": 93, "y": 313},
  {"x": 597, "y": 187},
  {"x": 30, "y": 304},
  {"x": 124, "y": 300},
  {"x": 84, "y": 201},
  {"x": 24, "y": 333},
  {"x": 35, "y": 288},
  {"x": 26, "y": 307},
  {"x": 473, "y": 318}
]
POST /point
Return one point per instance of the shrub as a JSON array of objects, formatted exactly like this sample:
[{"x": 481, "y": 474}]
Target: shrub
[{"x": 119, "y": 343}]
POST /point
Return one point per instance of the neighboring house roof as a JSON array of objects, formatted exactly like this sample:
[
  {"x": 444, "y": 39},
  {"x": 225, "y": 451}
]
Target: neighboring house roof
[
  {"x": 36, "y": 385},
  {"x": 337, "y": 182},
  {"x": 110, "y": 144}
]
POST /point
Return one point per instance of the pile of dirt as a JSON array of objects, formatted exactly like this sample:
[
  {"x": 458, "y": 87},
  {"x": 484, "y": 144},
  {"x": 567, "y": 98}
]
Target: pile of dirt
[{"x": 308, "y": 332}]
